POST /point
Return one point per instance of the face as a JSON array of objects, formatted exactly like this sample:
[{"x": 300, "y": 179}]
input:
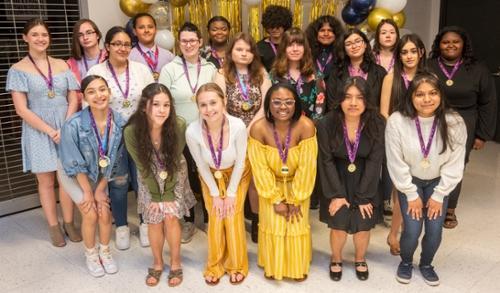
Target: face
[
  {"x": 189, "y": 44},
  {"x": 325, "y": 35},
  {"x": 387, "y": 36},
  {"x": 426, "y": 99},
  {"x": 210, "y": 106},
  {"x": 158, "y": 109},
  {"x": 97, "y": 95},
  {"x": 87, "y": 36},
  {"x": 241, "y": 53},
  {"x": 410, "y": 55},
  {"x": 218, "y": 32},
  {"x": 282, "y": 104},
  {"x": 355, "y": 46},
  {"x": 38, "y": 38},
  {"x": 145, "y": 30},
  {"x": 295, "y": 52},
  {"x": 275, "y": 32},
  {"x": 451, "y": 46},
  {"x": 353, "y": 104},
  {"x": 119, "y": 47}
]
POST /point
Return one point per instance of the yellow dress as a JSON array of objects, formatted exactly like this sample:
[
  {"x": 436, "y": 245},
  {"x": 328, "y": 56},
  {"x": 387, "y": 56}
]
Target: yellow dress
[{"x": 284, "y": 248}]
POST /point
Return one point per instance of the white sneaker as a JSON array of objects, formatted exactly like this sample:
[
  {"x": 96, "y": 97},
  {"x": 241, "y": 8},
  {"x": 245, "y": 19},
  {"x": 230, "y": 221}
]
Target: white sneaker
[
  {"x": 93, "y": 262},
  {"x": 108, "y": 263},
  {"x": 143, "y": 235},
  {"x": 188, "y": 230},
  {"x": 122, "y": 237}
]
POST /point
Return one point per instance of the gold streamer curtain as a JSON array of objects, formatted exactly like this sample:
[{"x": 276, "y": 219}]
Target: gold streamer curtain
[
  {"x": 230, "y": 9},
  {"x": 322, "y": 7},
  {"x": 200, "y": 12}
]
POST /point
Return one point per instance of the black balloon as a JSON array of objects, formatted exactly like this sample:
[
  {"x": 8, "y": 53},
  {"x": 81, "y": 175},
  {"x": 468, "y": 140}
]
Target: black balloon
[
  {"x": 352, "y": 16},
  {"x": 363, "y": 6},
  {"x": 129, "y": 28}
]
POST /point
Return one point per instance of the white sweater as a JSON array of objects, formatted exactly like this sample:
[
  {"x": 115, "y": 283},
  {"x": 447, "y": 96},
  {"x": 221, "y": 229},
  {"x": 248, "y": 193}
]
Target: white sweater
[
  {"x": 404, "y": 154},
  {"x": 233, "y": 155}
]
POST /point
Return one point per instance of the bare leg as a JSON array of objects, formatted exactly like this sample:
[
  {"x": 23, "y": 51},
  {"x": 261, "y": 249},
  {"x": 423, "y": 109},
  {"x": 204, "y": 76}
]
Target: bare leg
[
  {"x": 66, "y": 203},
  {"x": 47, "y": 196},
  {"x": 156, "y": 241},
  {"x": 337, "y": 242},
  {"x": 173, "y": 233},
  {"x": 89, "y": 223},
  {"x": 105, "y": 226},
  {"x": 361, "y": 241},
  {"x": 397, "y": 221}
]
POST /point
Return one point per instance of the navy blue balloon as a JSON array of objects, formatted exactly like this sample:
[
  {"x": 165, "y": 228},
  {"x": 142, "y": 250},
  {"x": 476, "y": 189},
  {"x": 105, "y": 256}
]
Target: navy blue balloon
[
  {"x": 363, "y": 6},
  {"x": 129, "y": 28},
  {"x": 352, "y": 16}
]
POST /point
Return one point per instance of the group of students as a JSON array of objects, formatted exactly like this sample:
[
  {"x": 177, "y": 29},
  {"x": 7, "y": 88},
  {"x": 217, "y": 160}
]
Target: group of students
[{"x": 322, "y": 120}]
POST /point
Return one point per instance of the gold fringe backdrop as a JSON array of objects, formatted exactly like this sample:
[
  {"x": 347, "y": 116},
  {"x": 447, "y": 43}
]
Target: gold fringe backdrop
[
  {"x": 254, "y": 22},
  {"x": 200, "y": 12},
  {"x": 230, "y": 9},
  {"x": 322, "y": 7}
]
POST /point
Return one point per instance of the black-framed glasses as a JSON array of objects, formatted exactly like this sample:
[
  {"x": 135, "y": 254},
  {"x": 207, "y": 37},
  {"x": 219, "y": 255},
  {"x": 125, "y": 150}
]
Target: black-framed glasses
[
  {"x": 86, "y": 34},
  {"x": 120, "y": 45}
]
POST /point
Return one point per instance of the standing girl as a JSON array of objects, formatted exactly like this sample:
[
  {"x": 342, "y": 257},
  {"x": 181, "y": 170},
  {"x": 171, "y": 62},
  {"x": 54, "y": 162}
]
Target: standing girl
[{"x": 386, "y": 38}]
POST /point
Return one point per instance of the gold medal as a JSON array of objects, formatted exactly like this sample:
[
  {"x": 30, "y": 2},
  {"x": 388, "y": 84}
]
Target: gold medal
[
  {"x": 163, "y": 174},
  {"x": 103, "y": 162},
  {"x": 284, "y": 170},
  {"x": 351, "y": 168},
  {"x": 126, "y": 103},
  {"x": 449, "y": 82},
  {"x": 193, "y": 98},
  {"x": 156, "y": 75},
  {"x": 246, "y": 106},
  {"x": 51, "y": 94},
  {"x": 218, "y": 174},
  {"x": 425, "y": 163}
]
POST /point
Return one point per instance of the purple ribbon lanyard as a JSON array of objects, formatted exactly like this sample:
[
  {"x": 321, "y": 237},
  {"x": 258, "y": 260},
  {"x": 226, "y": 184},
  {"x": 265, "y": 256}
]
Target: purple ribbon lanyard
[
  {"x": 243, "y": 86},
  {"x": 102, "y": 147},
  {"x": 406, "y": 80},
  {"x": 216, "y": 56},
  {"x": 48, "y": 80},
  {"x": 449, "y": 75},
  {"x": 423, "y": 148},
  {"x": 273, "y": 46},
  {"x": 160, "y": 161},
  {"x": 354, "y": 72},
  {"x": 152, "y": 63},
  {"x": 321, "y": 67},
  {"x": 391, "y": 63},
  {"x": 298, "y": 83},
  {"x": 283, "y": 150},
  {"x": 352, "y": 149},
  {"x": 186, "y": 72},
  {"x": 127, "y": 80},
  {"x": 216, "y": 157}
]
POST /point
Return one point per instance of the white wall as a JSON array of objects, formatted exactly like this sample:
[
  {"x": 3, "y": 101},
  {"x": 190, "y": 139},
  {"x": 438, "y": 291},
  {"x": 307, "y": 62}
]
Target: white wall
[{"x": 105, "y": 13}]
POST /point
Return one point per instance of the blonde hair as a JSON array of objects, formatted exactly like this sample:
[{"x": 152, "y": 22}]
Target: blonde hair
[{"x": 210, "y": 87}]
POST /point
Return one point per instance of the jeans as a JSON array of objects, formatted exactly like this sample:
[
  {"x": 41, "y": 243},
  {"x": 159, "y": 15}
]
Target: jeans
[
  {"x": 413, "y": 228},
  {"x": 118, "y": 193}
]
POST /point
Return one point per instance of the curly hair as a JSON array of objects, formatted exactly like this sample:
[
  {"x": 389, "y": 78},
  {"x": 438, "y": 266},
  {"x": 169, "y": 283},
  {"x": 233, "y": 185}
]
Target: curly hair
[
  {"x": 280, "y": 66},
  {"x": 312, "y": 34},
  {"x": 467, "y": 53},
  {"x": 168, "y": 147},
  {"x": 376, "y": 44},
  {"x": 344, "y": 60},
  {"x": 255, "y": 68},
  {"x": 276, "y": 16}
]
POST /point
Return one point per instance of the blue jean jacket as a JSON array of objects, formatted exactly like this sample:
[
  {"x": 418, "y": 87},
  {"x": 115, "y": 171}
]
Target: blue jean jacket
[{"x": 79, "y": 149}]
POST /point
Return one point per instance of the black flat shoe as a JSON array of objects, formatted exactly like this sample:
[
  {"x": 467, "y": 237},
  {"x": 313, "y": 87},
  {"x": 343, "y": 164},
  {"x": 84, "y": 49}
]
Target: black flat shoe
[
  {"x": 335, "y": 276},
  {"x": 362, "y": 276}
]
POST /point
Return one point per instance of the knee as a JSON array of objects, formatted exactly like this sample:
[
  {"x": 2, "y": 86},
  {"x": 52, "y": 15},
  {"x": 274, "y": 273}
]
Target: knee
[
  {"x": 90, "y": 217},
  {"x": 171, "y": 222}
]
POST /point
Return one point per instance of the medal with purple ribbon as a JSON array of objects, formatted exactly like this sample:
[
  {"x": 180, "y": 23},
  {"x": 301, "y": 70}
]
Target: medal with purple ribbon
[
  {"x": 391, "y": 63},
  {"x": 152, "y": 62},
  {"x": 356, "y": 72},
  {"x": 126, "y": 103},
  {"x": 216, "y": 56},
  {"x": 85, "y": 60},
  {"x": 186, "y": 72},
  {"x": 102, "y": 144},
  {"x": 163, "y": 173},
  {"x": 298, "y": 84},
  {"x": 406, "y": 80},
  {"x": 321, "y": 67},
  {"x": 244, "y": 88},
  {"x": 449, "y": 75},
  {"x": 425, "y": 149},
  {"x": 283, "y": 149},
  {"x": 273, "y": 46},
  {"x": 352, "y": 149},
  {"x": 216, "y": 157},
  {"x": 49, "y": 80}
]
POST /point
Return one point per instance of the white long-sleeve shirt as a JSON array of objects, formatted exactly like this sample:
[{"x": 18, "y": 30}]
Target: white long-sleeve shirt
[
  {"x": 233, "y": 155},
  {"x": 404, "y": 154}
]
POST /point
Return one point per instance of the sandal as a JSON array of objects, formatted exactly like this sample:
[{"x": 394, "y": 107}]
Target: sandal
[
  {"x": 394, "y": 249},
  {"x": 450, "y": 221},
  {"x": 213, "y": 282},
  {"x": 154, "y": 275},
  {"x": 174, "y": 274},
  {"x": 336, "y": 276},
  {"x": 363, "y": 276},
  {"x": 236, "y": 282}
]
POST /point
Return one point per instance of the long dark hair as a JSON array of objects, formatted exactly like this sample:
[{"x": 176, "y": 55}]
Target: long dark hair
[
  {"x": 168, "y": 146},
  {"x": 76, "y": 47},
  {"x": 467, "y": 52},
  {"x": 407, "y": 108},
  {"x": 110, "y": 34},
  {"x": 280, "y": 65},
  {"x": 312, "y": 34},
  {"x": 373, "y": 122},
  {"x": 267, "y": 101},
  {"x": 398, "y": 91},
  {"x": 255, "y": 69},
  {"x": 367, "y": 56},
  {"x": 376, "y": 44}
]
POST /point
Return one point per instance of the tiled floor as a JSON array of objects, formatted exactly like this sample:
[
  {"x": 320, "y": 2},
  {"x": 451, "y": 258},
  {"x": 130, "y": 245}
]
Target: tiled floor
[{"x": 468, "y": 260}]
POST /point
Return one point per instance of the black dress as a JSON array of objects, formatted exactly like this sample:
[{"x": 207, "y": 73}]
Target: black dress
[
  {"x": 338, "y": 76},
  {"x": 266, "y": 53},
  {"x": 359, "y": 187}
]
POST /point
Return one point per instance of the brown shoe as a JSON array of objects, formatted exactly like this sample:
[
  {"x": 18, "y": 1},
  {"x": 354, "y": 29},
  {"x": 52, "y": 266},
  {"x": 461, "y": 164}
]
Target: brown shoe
[
  {"x": 73, "y": 233},
  {"x": 450, "y": 221},
  {"x": 56, "y": 236}
]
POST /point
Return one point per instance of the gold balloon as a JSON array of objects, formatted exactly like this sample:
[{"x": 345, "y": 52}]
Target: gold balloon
[
  {"x": 178, "y": 3},
  {"x": 376, "y": 16},
  {"x": 365, "y": 28},
  {"x": 132, "y": 7},
  {"x": 399, "y": 19}
]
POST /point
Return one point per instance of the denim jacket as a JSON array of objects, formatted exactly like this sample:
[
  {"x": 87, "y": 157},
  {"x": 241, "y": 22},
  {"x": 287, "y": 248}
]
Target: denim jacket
[{"x": 79, "y": 149}]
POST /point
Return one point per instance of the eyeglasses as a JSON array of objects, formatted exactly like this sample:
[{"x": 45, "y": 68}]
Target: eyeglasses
[
  {"x": 86, "y": 34},
  {"x": 191, "y": 42},
  {"x": 356, "y": 42},
  {"x": 279, "y": 103},
  {"x": 120, "y": 45}
]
